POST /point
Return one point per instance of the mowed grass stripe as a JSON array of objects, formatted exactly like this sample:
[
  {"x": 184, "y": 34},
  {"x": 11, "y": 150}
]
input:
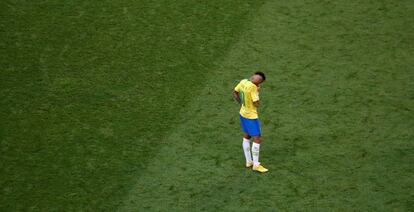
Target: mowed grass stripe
[
  {"x": 337, "y": 117},
  {"x": 203, "y": 154}
]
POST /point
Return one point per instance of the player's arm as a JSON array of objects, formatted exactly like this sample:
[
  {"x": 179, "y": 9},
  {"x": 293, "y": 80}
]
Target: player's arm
[
  {"x": 236, "y": 93},
  {"x": 236, "y": 96},
  {"x": 255, "y": 97}
]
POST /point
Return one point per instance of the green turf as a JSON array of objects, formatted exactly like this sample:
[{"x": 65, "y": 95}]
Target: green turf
[{"x": 126, "y": 105}]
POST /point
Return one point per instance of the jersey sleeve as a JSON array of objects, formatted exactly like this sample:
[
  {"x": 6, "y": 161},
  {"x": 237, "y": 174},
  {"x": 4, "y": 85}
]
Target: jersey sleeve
[
  {"x": 254, "y": 94},
  {"x": 237, "y": 88}
]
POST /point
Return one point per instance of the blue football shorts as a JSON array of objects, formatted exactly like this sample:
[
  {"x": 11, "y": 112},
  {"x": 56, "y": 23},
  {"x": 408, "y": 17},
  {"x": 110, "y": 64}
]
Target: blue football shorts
[{"x": 250, "y": 126}]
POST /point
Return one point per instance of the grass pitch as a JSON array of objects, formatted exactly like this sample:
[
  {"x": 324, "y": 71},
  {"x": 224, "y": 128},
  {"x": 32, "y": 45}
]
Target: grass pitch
[{"x": 126, "y": 105}]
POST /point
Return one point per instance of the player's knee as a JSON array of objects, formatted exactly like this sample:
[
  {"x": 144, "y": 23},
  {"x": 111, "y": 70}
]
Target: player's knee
[
  {"x": 257, "y": 139},
  {"x": 246, "y": 136}
]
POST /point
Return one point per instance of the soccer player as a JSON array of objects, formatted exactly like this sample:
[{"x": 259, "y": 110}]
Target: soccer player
[{"x": 246, "y": 93}]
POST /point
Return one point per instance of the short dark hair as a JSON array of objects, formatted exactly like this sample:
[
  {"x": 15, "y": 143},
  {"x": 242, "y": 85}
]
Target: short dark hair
[{"x": 260, "y": 74}]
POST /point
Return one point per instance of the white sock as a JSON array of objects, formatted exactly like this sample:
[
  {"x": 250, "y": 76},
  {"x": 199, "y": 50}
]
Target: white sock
[
  {"x": 255, "y": 152},
  {"x": 246, "y": 149}
]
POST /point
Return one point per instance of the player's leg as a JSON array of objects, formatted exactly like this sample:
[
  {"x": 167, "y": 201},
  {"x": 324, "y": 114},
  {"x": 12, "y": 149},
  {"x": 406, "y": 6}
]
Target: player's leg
[
  {"x": 257, "y": 139},
  {"x": 246, "y": 149},
  {"x": 255, "y": 152},
  {"x": 246, "y": 142},
  {"x": 256, "y": 149}
]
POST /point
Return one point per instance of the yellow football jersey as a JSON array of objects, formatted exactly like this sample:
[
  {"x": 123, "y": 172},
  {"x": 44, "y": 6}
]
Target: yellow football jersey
[{"x": 248, "y": 93}]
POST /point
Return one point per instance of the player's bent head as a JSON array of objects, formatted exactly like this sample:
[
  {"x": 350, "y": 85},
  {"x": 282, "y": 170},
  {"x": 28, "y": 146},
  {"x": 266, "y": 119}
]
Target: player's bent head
[
  {"x": 259, "y": 77},
  {"x": 261, "y": 74}
]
